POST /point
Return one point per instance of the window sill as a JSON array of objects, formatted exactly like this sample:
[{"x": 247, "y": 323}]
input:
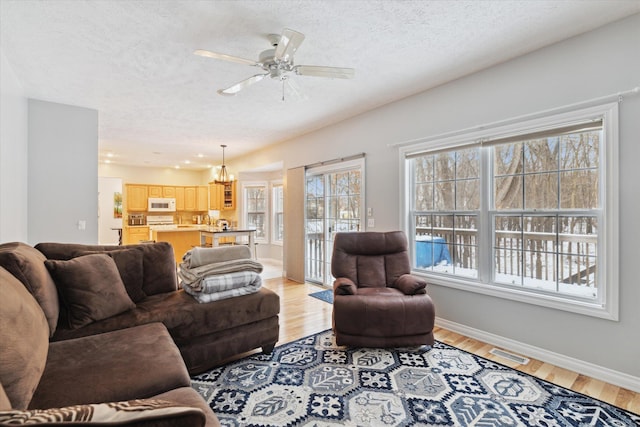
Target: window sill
[{"x": 574, "y": 306}]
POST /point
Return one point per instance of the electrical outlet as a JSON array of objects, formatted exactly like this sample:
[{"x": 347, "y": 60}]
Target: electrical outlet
[
  {"x": 371, "y": 223},
  {"x": 82, "y": 224},
  {"x": 369, "y": 211}
]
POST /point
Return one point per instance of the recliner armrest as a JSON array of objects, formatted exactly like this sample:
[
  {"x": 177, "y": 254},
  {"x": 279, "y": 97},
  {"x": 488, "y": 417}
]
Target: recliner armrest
[
  {"x": 344, "y": 286},
  {"x": 410, "y": 284}
]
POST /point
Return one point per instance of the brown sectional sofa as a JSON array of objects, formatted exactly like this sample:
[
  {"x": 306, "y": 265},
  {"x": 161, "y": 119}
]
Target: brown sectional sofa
[{"x": 91, "y": 324}]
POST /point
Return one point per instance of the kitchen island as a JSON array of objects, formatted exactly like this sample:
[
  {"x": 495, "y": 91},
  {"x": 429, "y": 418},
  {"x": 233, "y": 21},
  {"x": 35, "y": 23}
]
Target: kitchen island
[
  {"x": 217, "y": 234},
  {"x": 184, "y": 237}
]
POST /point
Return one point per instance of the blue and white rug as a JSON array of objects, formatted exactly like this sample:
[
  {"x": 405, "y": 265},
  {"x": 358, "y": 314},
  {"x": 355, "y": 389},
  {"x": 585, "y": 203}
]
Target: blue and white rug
[
  {"x": 313, "y": 382},
  {"x": 326, "y": 295}
]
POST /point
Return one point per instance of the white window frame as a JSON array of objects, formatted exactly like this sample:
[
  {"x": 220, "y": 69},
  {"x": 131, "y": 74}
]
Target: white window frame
[
  {"x": 607, "y": 306},
  {"x": 274, "y": 233},
  {"x": 245, "y": 210}
]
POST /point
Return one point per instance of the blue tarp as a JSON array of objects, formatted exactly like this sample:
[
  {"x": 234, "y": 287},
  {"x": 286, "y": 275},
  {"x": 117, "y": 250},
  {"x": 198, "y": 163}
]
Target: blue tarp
[{"x": 431, "y": 251}]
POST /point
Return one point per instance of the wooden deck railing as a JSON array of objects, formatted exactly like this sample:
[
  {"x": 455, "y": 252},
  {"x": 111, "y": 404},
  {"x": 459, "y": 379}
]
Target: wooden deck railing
[{"x": 577, "y": 264}]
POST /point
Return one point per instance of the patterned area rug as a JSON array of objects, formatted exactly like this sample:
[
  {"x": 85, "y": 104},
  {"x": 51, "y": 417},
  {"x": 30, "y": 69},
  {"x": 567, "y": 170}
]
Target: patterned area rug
[
  {"x": 326, "y": 295},
  {"x": 312, "y": 382}
]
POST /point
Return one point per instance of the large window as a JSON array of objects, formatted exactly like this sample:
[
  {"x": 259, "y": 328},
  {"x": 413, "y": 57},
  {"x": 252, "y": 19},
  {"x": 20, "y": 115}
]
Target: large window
[
  {"x": 256, "y": 209},
  {"x": 525, "y": 211},
  {"x": 278, "y": 213}
]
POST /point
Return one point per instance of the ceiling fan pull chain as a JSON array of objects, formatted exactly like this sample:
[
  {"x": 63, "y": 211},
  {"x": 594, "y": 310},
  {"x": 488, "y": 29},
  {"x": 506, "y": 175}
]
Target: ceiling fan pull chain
[{"x": 282, "y": 90}]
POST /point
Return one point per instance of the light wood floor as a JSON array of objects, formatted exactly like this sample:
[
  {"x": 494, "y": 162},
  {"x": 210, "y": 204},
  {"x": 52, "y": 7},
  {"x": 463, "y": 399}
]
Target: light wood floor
[{"x": 302, "y": 315}]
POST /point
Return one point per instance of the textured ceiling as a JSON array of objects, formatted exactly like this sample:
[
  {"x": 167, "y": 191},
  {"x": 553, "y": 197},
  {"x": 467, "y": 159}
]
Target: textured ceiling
[{"x": 133, "y": 61}]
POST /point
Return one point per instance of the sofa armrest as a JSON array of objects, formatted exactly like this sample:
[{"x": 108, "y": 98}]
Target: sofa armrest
[
  {"x": 139, "y": 413},
  {"x": 409, "y": 284},
  {"x": 344, "y": 286}
]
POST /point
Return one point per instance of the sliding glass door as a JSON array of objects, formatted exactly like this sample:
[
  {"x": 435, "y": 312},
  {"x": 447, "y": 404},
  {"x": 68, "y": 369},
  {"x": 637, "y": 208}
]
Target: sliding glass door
[{"x": 334, "y": 203}]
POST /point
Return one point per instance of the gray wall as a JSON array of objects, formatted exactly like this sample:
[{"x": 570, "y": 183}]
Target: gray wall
[
  {"x": 595, "y": 64},
  {"x": 13, "y": 156},
  {"x": 62, "y": 173}
]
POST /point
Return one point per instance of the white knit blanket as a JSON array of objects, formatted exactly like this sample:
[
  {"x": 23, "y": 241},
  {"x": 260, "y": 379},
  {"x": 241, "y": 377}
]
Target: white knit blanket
[{"x": 223, "y": 286}]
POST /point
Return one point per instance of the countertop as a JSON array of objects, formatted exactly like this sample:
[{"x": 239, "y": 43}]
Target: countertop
[{"x": 193, "y": 227}]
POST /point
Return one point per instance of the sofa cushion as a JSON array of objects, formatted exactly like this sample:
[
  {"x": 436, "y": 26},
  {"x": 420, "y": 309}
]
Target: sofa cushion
[
  {"x": 130, "y": 267},
  {"x": 24, "y": 341},
  {"x": 158, "y": 261},
  {"x": 133, "y": 363},
  {"x": 27, "y": 264},
  {"x": 139, "y": 413},
  {"x": 185, "y": 317},
  {"x": 4, "y": 400},
  {"x": 91, "y": 288},
  {"x": 187, "y": 396}
]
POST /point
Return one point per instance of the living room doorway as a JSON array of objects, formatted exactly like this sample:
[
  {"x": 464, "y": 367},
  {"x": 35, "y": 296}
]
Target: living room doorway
[{"x": 334, "y": 202}]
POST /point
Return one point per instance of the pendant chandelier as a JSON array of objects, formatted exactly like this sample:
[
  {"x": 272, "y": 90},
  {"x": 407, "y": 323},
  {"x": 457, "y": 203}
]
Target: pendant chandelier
[{"x": 223, "y": 176}]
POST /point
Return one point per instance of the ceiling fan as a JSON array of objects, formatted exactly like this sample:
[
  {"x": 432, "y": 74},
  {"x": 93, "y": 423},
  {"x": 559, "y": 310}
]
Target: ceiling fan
[{"x": 277, "y": 63}]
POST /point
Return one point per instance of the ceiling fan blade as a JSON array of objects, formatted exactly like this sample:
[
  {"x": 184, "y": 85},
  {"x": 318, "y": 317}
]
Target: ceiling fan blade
[
  {"x": 225, "y": 57},
  {"x": 232, "y": 90},
  {"x": 289, "y": 42},
  {"x": 319, "y": 71}
]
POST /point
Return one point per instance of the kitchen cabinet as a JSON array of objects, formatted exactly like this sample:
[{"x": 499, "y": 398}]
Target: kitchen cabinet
[
  {"x": 215, "y": 196},
  {"x": 134, "y": 235},
  {"x": 190, "y": 199},
  {"x": 162, "y": 191},
  {"x": 136, "y": 198},
  {"x": 202, "y": 198},
  {"x": 222, "y": 197},
  {"x": 169, "y": 192},
  {"x": 182, "y": 240},
  {"x": 229, "y": 196},
  {"x": 179, "y": 198},
  {"x": 155, "y": 191}
]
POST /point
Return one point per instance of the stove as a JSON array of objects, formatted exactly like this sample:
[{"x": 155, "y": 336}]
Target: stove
[{"x": 159, "y": 219}]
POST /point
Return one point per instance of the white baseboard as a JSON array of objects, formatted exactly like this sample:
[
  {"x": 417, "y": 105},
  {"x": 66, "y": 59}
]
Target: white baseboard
[{"x": 589, "y": 369}]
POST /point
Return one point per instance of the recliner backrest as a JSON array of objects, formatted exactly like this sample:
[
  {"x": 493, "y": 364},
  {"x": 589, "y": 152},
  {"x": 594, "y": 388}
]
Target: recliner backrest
[{"x": 370, "y": 259}]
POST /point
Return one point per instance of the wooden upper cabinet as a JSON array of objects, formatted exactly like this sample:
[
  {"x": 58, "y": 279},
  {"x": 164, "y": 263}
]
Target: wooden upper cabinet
[
  {"x": 229, "y": 196},
  {"x": 169, "y": 192},
  {"x": 202, "y": 198},
  {"x": 162, "y": 191},
  {"x": 155, "y": 191},
  {"x": 179, "y": 198},
  {"x": 136, "y": 197},
  {"x": 222, "y": 197},
  {"x": 190, "y": 199},
  {"x": 215, "y": 196}
]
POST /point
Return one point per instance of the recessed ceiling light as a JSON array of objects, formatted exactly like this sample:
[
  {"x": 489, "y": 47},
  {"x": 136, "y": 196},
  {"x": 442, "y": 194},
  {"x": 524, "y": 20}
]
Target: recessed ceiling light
[
  {"x": 107, "y": 161},
  {"x": 109, "y": 154},
  {"x": 177, "y": 166},
  {"x": 186, "y": 162},
  {"x": 200, "y": 155}
]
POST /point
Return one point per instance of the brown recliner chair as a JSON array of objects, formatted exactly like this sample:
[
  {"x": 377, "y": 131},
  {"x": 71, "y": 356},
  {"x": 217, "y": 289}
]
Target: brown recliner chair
[{"x": 377, "y": 303}]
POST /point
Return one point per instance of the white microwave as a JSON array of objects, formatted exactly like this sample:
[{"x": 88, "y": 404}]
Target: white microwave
[{"x": 161, "y": 204}]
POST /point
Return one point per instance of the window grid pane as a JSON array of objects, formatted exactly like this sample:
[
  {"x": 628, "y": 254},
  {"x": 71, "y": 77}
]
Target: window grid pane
[
  {"x": 256, "y": 210},
  {"x": 543, "y": 214},
  {"x": 447, "y": 184},
  {"x": 278, "y": 213},
  {"x": 554, "y": 173}
]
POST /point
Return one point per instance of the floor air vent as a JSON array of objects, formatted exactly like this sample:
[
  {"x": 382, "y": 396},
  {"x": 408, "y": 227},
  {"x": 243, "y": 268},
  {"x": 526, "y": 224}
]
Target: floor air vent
[{"x": 506, "y": 355}]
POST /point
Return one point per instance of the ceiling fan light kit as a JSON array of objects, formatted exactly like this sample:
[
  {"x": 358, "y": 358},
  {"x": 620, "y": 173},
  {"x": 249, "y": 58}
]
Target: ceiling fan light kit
[{"x": 277, "y": 63}]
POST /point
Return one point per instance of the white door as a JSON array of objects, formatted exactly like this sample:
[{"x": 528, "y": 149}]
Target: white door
[{"x": 334, "y": 203}]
